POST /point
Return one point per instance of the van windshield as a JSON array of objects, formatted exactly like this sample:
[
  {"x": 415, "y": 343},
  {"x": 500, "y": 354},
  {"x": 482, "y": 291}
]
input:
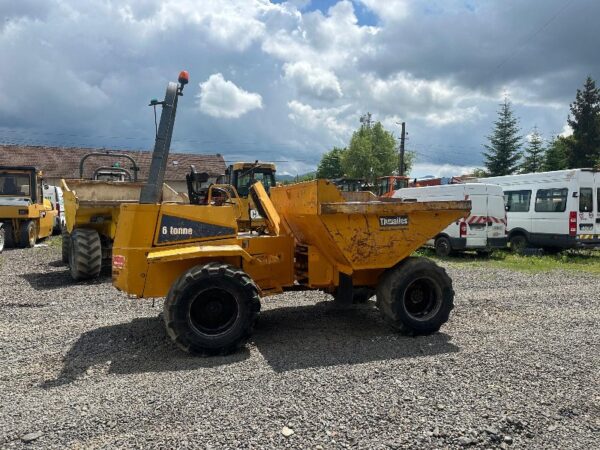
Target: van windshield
[{"x": 17, "y": 185}]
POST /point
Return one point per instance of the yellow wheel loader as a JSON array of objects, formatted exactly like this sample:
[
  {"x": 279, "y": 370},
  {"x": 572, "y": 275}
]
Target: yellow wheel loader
[
  {"x": 25, "y": 215},
  {"x": 213, "y": 276}
]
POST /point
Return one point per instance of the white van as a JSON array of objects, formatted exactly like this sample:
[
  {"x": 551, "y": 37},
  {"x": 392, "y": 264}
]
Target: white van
[
  {"x": 484, "y": 229},
  {"x": 55, "y": 195},
  {"x": 552, "y": 210}
]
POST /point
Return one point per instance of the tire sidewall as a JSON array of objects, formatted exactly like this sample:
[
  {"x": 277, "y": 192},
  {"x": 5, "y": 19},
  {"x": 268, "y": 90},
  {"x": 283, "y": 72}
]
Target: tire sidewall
[
  {"x": 197, "y": 340},
  {"x": 521, "y": 243},
  {"x": 443, "y": 247},
  {"x": 399, "y": 287},
  {"x": 31, "y": 234}
]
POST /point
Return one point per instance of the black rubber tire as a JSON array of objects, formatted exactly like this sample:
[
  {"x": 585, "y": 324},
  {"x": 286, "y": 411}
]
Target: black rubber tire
[
  {"x": 85, "y": 254},
  {"x": 443, "y": 248},
  {"x": 484, "y": 253},
  {"x": 553, "y": 250},
  {"x": 229, "y": 294},
  {"x": 2, "y": 238},
  {"x": 9, "y": 237},
  {"x": 403, "y": 289},
  {"x": 518, "y": 243},
  {"x": 66, "y": 246},
  {"x": 28, "y": 234}
]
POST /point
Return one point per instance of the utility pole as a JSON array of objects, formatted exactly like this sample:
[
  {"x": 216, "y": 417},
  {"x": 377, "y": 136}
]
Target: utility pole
[
  {"x": 366, "y": 120},
  {"x": 401, "y": 166}
]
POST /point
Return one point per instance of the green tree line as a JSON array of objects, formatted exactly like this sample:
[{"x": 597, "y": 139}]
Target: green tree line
[
  {"x": 504, "y": 155},
  {"x": 371, "y": 153}
]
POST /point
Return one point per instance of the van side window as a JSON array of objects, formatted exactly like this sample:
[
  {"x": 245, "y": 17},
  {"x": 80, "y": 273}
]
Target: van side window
[
  {"x": 517, "y": 201},
  {"x": 551, "y": 200},
  {"x": 586, "y": 199}
]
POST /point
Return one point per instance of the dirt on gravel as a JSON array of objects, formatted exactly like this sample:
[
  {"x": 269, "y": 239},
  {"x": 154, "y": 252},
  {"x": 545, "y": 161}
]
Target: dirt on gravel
[{"x": 83, "y": 366}]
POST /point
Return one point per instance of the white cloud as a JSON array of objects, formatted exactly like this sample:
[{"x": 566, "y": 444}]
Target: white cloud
[
  {"x": 388, "y": 10},
  {"x": 454, "y": 115},
  {"x": 234, "y": 24},
  {"x": 566, "y": 131},
  {"x": 313, "y": 81},
  {"x": 439, "y": 170},
  {"x": 221, "y": 98},
  {"x": 319, "y": 118},
  {"x": 437, "y": 102},
  {"x": 332, "y": 40}
]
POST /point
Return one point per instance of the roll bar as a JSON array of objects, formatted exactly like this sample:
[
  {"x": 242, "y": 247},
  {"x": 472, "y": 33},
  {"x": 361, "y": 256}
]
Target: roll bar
[{"x": 135, "y": 168}]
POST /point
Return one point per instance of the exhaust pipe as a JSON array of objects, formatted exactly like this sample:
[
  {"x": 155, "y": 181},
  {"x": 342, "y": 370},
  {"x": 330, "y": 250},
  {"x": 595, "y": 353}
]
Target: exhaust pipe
[{"x": 152, "y": 190}]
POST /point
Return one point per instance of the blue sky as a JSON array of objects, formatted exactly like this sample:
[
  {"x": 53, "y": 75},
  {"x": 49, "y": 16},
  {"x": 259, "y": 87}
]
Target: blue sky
[{"x": 287, "y": 81}]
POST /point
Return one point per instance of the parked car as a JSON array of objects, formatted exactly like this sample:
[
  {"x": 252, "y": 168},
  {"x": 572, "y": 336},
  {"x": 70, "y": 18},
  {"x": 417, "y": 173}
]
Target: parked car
[
  {"x": 55, "y": 195},
  {"x": 484, "y": 229},
  {"x": 552, "y": 210}
]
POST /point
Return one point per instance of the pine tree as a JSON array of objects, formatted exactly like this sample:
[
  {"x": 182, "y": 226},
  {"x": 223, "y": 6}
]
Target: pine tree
[
  {"x": 556, "y": 153},
  {"x": 503, "y": 151},
  {"x": 585, "y": 122},
  {"x": 533, "y": 160}
]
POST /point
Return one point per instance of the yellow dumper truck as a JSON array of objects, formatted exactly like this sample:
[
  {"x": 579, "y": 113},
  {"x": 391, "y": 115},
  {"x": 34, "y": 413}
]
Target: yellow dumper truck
[
  {"x": 25, "y": 215},
  {"x": 213, "y": 277},
  {"x": 92, "y": 211}
]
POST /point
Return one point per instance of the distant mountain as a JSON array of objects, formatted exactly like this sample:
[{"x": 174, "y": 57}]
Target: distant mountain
[{"x": 291, "y": 178}]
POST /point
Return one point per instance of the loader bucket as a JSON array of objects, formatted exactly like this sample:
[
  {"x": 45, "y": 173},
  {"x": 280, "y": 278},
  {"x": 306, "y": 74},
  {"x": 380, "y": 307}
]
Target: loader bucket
[{"x": 360, "y": 235}]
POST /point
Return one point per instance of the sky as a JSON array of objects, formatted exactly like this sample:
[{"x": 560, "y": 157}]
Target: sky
[{"x": 286, "y": 81}]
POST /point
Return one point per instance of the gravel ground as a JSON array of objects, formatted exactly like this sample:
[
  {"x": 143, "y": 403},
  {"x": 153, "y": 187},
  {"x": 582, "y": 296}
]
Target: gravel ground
[{"x": 83, "y": 366}]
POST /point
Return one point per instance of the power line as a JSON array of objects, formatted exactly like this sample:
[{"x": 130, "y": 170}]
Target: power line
[{"x": 537, "y": 31}]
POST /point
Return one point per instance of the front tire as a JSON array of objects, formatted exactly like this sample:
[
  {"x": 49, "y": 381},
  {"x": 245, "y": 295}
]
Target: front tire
[
  {"x": 66, "y": 246},
  {"x": 85, "y": 254},
  {"x": 211, "y": 309},
  {"x": 443, "y": 248},
  {"x": 416, "y": 296},
  {"x": 518, "y": 243},
  {"x": 28, "y": 235}
]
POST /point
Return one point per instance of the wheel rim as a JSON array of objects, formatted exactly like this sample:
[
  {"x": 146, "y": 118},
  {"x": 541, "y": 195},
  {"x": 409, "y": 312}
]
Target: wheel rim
[
  {"x": 443, "y": 247},
  {"x": 213, "y": 311},
  {"x": 32, "y": 236},
  {"x": 422, "y": 299}
]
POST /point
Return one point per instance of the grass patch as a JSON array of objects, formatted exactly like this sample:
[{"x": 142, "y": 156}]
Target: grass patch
[
  {"x": 572, "y": 260},
  {"x": 54, "y": 241}
]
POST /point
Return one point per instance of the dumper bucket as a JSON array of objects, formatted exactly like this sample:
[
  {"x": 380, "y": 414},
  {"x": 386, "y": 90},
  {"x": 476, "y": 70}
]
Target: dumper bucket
[{"x": 360, "y": 235}]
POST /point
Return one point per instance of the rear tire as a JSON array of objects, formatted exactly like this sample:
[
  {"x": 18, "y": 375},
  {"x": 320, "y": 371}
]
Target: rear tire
[
  {"x": 28, "y": 236},
  {"x": 211, "y": 309},
  {"x": 85, "y": 254},
  {"x": 66, "y": 246},
  {"x": 443, "y": 248},
  {"x": 518, "y": 243},
  {"x": 416, "y": 296},
  {"x": 9, "y": 236}
]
